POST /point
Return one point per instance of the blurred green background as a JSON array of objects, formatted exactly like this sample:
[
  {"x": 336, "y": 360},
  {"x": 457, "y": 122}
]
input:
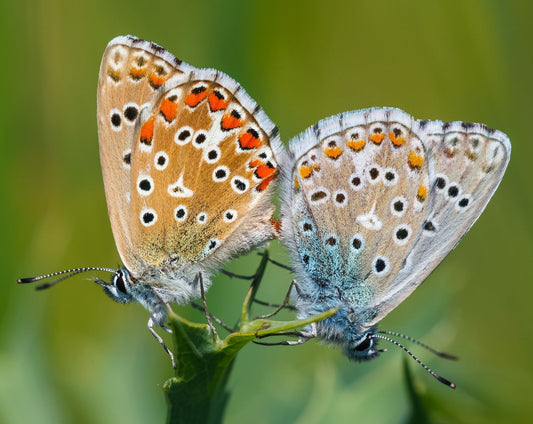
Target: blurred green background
[{"x": 72, "y": 355}]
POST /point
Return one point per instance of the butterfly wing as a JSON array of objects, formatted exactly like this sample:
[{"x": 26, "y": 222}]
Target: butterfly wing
[
  {"x": 195, "y": 171},
  {"x": 374, "y": 200},
  {"x": 203, "y": 164},
  {"x": 356, "y": 193},
  {"x": 469, "y": 160},
  {"x": 131, "y": 74}
]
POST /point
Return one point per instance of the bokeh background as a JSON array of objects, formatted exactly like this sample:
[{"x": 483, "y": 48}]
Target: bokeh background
[{"x": 72, "y": 355}]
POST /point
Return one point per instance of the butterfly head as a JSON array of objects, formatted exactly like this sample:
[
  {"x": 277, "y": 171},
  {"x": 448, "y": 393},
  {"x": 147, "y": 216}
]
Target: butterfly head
[
  {"x": 120, "y": 289},
  {"x": 363, "y": 349}
]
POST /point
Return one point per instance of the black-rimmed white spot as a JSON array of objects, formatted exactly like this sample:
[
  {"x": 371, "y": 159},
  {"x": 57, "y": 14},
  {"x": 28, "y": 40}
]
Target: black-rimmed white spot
[
  {"x": 148, "y": 217},
  {"x": 340, "y": 198},
  {"x": 331, "y": 241},
  {"x": 126, "y": 159},
  {"x": 239, "y": 184},
  {"x": 318, "y": 196},
  {"x": 221, "y": 173},
  {"x": 307, "y": 227},
  {"x": 183, "y": 135},
  {"x": 180, "y": 213},
  {"x": 374, "y": 173},
  {"x": 230, "y": 215},
  {"x": 430, "y": 228},
  {"x": 131, "y": 112},
  {"x": 201, "y": 218},
  {"x": 463, "y": 203},
  {"x": 211, "y": 245},
  {"x": 145, "y": 185},
  {"x": 441, "y": 181},
  {"x": 401, "y": 234},
  {"x": 357, "y": 243},
  {"x": 390, "y": 177},
  {"x": 398, "y": 206},
  {"x": 199, "y": 138},
  {"x": 160, "y": 160},
  {"x": 178, "y": 189},
  {"x": 356, "y": 181},
  {"x": 116, "y": 119},
  {"x": 453, "y": 191},
  {"x": 212, "y": 155},
  {"x": 381, "y": 266}
]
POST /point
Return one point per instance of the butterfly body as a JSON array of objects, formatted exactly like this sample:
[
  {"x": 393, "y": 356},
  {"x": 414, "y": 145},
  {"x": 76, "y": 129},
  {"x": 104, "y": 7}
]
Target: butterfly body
[
  {"x": 188, "y": 159},
  {"x": 373, "y": 200}
]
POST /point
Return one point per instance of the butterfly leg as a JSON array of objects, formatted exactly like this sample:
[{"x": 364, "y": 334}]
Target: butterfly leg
[
  {"x": 304, "y": 336},
  {"x": 285, "y": 303},
  {"x": 160, "y": 340},
  {"x": 207, "y": 314}
]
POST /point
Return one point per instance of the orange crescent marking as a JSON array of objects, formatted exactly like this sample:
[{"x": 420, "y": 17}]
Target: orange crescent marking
[
  {"x": 333, "y": 152},
  {"x": 264, "y": 171},
  {"x": 215, "y": 103},
  {"x": 192, "y": 99},
  {"x": 169, "y": 110},
  {"x": 305, "y": 171},
  {"x": 422, "y": 193},
  {"x": 400, "y": 141},
  {"x": 265, "y": 183},
  {"x": 156, "y": 80},
  {"x": 415, "y": 161},
  {"x": 229, "y": 122},
  {"x": 356, "y": 145},
  {"x": 377, "y": 138},
  {"x": 248, "y": 141},
  {"x": 147, "y": 131}
]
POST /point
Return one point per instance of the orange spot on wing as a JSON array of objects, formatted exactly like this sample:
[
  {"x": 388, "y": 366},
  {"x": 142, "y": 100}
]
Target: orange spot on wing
[
  {"x": 265, "y": 183},
  {"x": 356, "y": 145},
  {"x": 229, "y": 122},
  {"x": 415, "y": 161},
  {"x": 422, "y": 193},
  {"x": 113, "y": 74},
  {"x": 305, "y": 171},
  {"x": 397, "y": 141},
  {"x": 193, "y": 99},
  {"x": 254, "y": 163},
  {"x": 156, "y": 81},
  {"x": 147, "y": 131},
  {"x": 333, "y": 152},
  {"x": 137, "y": 73},
  {"x": 248, "y": 141},
  {"x": 377, "y": 138},
  {"x": 169, "y": 110},
  {"x": 217, "y": 103},
  {"x": 264, "y": 171},
  {"x": 296, "y": 183}
]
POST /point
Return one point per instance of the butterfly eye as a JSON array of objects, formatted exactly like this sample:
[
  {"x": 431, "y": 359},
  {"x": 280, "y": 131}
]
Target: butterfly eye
[
  {"x": 119, "y": 283},
  {"x": 364, "y": 345}
]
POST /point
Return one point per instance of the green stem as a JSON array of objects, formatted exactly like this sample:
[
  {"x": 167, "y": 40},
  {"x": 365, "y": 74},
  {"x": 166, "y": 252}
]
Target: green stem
[{"x": 197, "y": 394}]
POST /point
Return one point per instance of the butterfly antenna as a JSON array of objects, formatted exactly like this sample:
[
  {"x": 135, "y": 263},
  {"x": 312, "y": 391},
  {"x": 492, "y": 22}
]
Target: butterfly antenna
[
  {"x": 69, "y": 272},
  {"x": 425, "y": 346},
  {"x": 434, "y": 374}
]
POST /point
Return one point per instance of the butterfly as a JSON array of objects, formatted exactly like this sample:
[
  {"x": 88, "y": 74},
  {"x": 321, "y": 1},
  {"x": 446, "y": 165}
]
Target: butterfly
[
  {"x": 188, "y": 162},
  {"x": 372, "y": 201}
]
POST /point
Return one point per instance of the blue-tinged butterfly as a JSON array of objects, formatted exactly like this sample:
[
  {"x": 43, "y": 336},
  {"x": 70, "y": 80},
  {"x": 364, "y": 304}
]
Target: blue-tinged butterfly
[
  {"x": 188, "y": 159},
  {"x": 373, "y": 200}
]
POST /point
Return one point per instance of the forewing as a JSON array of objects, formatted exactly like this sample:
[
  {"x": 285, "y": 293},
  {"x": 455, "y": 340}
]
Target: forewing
[
  {"x": 354, "y": 201},
  {"x": 131, "y": 74},
  {"x": 470, "y": 161},
  {"x": 202, "y": 165}
]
